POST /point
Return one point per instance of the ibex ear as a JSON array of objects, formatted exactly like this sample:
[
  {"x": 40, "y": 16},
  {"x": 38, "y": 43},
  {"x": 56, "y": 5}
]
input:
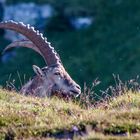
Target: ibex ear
[{"x": 38, "y": 71}]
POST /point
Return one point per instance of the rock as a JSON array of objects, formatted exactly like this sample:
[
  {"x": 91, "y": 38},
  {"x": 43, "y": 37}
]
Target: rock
[
  {"x": 28, "y": 13},
  {"x": 3, "y": 1},
  {"x": 81, "y": 22}
]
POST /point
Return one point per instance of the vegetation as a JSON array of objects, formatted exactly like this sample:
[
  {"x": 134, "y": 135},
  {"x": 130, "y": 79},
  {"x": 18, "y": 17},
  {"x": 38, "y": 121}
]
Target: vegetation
[
  {"x": 110, "y": 45},
  {"x": 26, "y": 117}
]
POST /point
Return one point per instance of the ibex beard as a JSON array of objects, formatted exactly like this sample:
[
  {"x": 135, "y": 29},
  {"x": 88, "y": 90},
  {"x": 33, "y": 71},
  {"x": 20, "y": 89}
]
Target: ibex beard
[{"x": 50, "y": 80}]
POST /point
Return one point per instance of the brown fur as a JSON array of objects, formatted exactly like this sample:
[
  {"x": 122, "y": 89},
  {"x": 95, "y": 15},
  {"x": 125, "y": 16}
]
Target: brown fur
[{"x": 48, "y": 80}]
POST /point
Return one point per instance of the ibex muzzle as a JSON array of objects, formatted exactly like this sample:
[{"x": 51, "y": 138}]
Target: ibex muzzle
[{"x": 49, "y": 80}]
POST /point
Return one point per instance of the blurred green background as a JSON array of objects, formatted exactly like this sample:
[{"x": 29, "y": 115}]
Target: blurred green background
[{"x": 111, "y": 45}]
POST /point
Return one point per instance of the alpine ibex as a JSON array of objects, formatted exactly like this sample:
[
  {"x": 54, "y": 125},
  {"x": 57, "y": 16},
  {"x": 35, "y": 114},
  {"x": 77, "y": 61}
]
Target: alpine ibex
[{"x": 52, "y": 79}]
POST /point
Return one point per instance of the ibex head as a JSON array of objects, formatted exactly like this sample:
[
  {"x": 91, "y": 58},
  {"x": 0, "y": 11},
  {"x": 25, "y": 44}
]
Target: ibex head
[
  {"x": 58, "y": 80},
  {"x": 50, "y": 79}
]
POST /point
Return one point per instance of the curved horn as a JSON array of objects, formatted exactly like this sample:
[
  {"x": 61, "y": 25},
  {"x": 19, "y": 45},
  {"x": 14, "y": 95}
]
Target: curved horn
[
  {"x": 22, "y": 43},
  {"x": 50, "y": 55}
]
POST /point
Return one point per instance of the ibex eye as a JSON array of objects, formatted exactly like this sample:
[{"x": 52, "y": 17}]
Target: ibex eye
[{"x": 57, "y": 73}]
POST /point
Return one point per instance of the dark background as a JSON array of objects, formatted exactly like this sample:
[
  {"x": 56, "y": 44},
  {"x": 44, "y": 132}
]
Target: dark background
[{"x": 111, "y": 45}]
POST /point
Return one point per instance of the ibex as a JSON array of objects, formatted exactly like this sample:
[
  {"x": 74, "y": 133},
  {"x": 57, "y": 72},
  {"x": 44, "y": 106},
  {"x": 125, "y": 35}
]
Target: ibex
[{"x": 53, "y": 78}]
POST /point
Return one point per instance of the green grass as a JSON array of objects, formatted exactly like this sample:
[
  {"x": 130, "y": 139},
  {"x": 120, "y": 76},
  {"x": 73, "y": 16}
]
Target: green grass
[{"x": 26, "y": 117}]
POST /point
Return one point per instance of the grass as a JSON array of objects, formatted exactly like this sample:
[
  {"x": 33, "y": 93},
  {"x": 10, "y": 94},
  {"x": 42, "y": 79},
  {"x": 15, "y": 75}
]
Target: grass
[{"x": 30, "y": 117}]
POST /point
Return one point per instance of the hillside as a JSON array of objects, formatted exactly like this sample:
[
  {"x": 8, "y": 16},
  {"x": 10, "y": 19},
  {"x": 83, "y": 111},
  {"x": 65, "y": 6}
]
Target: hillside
[{"x": 35, "y": 118}]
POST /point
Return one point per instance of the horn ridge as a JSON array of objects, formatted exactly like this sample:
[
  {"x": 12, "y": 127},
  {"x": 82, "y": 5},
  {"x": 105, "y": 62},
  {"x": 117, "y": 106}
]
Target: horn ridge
[{"x": 36, "y": 37}]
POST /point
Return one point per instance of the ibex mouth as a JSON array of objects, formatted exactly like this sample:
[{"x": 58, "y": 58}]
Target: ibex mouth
[{"x": 75, "y": 92}]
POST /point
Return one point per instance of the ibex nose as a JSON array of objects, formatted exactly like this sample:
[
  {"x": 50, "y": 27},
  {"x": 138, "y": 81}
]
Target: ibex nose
[{"x": 76, "y": 90}]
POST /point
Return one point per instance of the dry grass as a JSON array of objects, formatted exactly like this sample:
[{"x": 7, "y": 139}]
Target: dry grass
[{"x": 24, "y": 117}]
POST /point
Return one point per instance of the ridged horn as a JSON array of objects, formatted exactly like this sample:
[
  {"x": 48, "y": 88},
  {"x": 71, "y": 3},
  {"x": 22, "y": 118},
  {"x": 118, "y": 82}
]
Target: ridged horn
[{"x": 50, "y": 55}]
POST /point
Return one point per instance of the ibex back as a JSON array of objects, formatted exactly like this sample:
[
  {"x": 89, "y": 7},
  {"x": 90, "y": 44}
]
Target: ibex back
[{"x": 52, "y": 79}]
